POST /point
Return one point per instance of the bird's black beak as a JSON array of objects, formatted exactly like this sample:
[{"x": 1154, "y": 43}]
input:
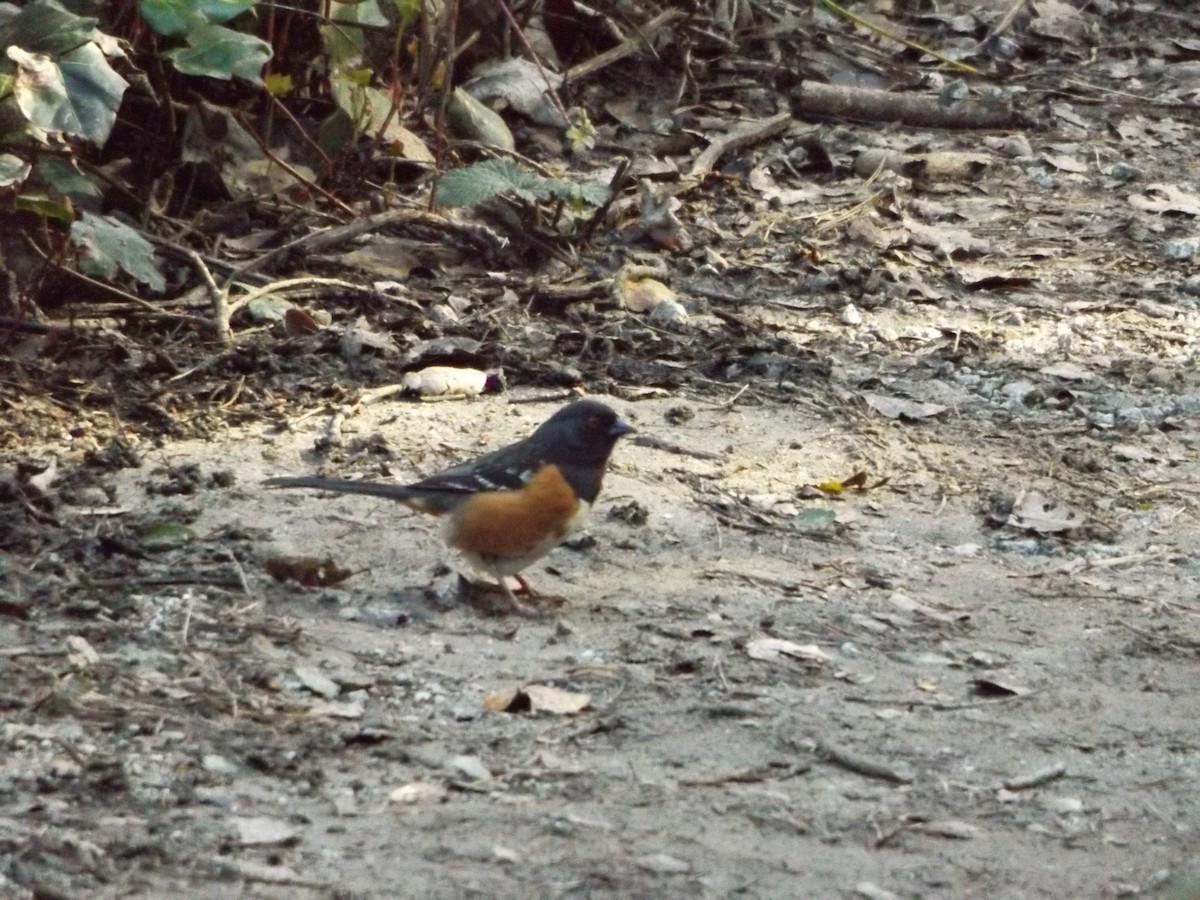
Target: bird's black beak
[{"x": 619, "y": 428}]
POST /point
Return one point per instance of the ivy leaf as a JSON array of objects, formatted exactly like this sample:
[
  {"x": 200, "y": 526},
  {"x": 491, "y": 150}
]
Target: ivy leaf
[
  {"x": 220, "y": 52},
  {"x": 108, "y": 246}
]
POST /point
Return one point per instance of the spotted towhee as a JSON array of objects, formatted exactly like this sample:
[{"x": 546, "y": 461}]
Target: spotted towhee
[{"x": 510, "y": 507}]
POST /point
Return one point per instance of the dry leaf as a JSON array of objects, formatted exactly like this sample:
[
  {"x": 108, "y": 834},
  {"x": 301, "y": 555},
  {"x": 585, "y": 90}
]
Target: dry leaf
[
  {"x": 858, "y": 480},
  {"x": 349, "y": 709},
  {"x": 544, "y": 698},
  {"x": 1035, "y": 511},
  {"x": 81, "y": 654},
  {"x": 306, "y": 570},
  {"x": 949, "y": 828},
  {"x": 299, "y": 322},
  {"x": 778, "y": 649},
  {"x": 640, "y": 295},
  {"x": 537, "y": 698},
  {"x": 898, "y": 408},
  {"x": 264, "y": 831},
  {"x": 450, "y": 381},
  {"x": 417, "y": 792}
]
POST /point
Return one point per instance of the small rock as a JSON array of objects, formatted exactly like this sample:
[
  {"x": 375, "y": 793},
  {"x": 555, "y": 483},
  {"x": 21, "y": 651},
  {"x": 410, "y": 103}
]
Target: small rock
[
  {"x": 1064, "y": 805},
  {"x": 214, "y": 762},
  {"x": 1180, "y": 250},
  {"x": 669, "y": 312},
  {"x": 663, "y": 864},
  {"x": 471, "y": 766},
  {"x": 1122, "y": 171}
]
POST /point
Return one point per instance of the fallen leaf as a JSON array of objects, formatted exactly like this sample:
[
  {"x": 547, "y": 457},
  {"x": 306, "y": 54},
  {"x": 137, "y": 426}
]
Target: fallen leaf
[
  {"x": 778, "y": 649},
  {"x": 417, "y": 792},
  {"x": 349, "y": 709},
  {"x": 898, "y": 408},
  {"x": 990, "y": 687},
  {"x": 1035, "y": 511},
  {"x": 544, "y": 698},
  {"x": 264, "y": 831},
  {"x": 165, "y": 536},
  {"x": 857, "y": 480},
  {"x": 640, "y": 295},
  {"x": 537, "y": 698},
  {"x": 949, "y": 828},
  {"x": 450, "y": 381},
  {"x": 317, "y": 682},
  {"x": 306, "y": 570},
  {"x": 663, "y": 864},
  {"x": 81, "y": 654}
]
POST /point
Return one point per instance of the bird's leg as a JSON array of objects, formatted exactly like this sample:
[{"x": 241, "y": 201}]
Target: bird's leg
[{"x": 514, "y": 605}]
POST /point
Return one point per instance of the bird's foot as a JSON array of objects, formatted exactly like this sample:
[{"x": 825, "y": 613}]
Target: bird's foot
[{"x": 498, "y": 599}]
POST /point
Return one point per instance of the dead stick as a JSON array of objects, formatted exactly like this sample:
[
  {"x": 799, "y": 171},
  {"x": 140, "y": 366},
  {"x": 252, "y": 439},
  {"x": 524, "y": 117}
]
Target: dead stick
[
  {"x": 861, "y": 765},
  {"x": 813, "y": 99}
]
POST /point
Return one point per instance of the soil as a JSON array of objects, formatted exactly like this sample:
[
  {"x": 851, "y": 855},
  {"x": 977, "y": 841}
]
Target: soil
[{"x": 894, "y": 593}]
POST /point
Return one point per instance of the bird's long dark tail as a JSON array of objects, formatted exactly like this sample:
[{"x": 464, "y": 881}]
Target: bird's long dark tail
[{"x": 341, "y": 486}]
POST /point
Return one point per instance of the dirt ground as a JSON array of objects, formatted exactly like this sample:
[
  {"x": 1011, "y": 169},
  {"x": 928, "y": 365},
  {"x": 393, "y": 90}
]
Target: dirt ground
[
  {"x": 970, "y": 673},
  {"x": 962, "y": 710}
]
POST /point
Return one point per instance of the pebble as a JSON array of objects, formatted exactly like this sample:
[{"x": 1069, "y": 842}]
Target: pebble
[{"x": 1180, "y": 250}]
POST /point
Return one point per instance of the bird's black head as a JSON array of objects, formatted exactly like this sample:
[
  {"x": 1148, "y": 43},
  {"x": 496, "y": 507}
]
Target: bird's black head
[
  {"x": 579, "y": 438},
  {"x": 587, "y": 422}
]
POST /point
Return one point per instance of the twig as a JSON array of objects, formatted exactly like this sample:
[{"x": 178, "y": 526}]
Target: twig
[
  {"x": 629, "y": 46},
  {"x": 241, "y": 573},
  {"x": 916, "y": 110},
  {"x": 1036, "y": 779},
  {"x": 657, "y": 443},
  {"x": 187, "y": 618},
  {"x": 745, "y": 135},
  {"x": 553, "y": 94},
  {"x": 855, "y": 763},
  {"x": 217, "y": 296},
  {"x": 289, "y": 284},
  {"x": 275, "y": 159},
  {"x": 329, "y": 238},
  {"x": 728, "y": 404},
  {"x": 870, "y": 26},
  {"x": 1005, "y": 20}
]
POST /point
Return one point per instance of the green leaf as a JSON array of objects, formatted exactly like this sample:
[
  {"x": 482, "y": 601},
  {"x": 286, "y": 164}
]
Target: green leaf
[
  {"x": 59, "y": 174},
  {"x": 95, "y": 90},
  {"x": 46, "y": 206},
  {"x": 107, "y": 246},
  {"x": 165, "y": 536},
  {"x": 474, "y": 184},
  {"x": 169, "y": 17},
  {"x": 45, "y": 27},
  {"x": 175, "y": 18},
  {"x": 364, "y": 12},
  {"x": 77, "y": 95},
  {"x": 218, "y": 11},
  {"x": 351, "y": 98},
  {"x": 469, "y": 118},
  {"x": 343, "y": 44},
  {"x": 814, "y": 521},
  {"x": 401, "y": 13},
  {"x": 336, "y": 132},
  {"x": 13, "y": 170},
  {"x": 41, "y": 91},
  {"x": 592, "y": 193},
  {"x": 220, "y": 52}
]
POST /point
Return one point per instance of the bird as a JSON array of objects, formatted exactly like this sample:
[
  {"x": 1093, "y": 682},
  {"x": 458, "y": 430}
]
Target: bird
[{"x": 510, "y": 507}]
